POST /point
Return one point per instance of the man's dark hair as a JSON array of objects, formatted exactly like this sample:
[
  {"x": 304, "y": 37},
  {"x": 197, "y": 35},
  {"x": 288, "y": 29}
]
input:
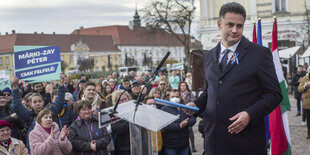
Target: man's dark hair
[
  {"x": 126, "y": 80},
  {"x": 89, "y": 83},
  {"x": 232, "y": 7}
]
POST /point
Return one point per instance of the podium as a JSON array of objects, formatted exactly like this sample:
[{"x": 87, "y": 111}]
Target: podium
[{"x": 145, "y": 121}]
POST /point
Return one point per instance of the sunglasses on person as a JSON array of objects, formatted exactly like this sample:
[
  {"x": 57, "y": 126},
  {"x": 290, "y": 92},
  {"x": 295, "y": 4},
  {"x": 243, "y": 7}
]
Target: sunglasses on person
[
  {"x": 162, "y": 84},
  {"x": 6, "y": 94}
]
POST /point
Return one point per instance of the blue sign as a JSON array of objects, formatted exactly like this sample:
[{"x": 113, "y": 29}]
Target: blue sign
[
  {"x": 36, "y": 63},
  {"x": 36, "y": 57},
  {"x": 36, "y": 72}
]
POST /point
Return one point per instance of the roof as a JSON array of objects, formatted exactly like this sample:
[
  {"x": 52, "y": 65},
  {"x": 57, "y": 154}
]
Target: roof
[
  {"x": 64, "y": 41},
  {"x": 289, "y": 52},
  {"x": 137, "y": 36},
  {"x": 306, "y": 53}
]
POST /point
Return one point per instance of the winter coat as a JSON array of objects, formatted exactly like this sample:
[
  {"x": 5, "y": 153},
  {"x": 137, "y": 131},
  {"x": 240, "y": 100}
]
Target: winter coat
[
  {"x": 41, "y": 142},
  {"x": 295, "y": 83},
  {"x": 305, "y": 92},
  {"x": 83, "y": 132},
  {"x": 173, "y": 135},
  {"x": 18, "y": 126},
  {"x": 29, "y": 117},
  {"x": 122, "y": 139},
  {"x": 16, "y": 147},
  {"x": 65, "y": 117}
]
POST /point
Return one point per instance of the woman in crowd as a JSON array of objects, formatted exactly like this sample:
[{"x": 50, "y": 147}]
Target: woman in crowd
[
  {"x": 155, "y": 93},
  {"x": 188, "y": 96},
  {"x": 46, "y": 138},
  {"x": 9, "y": 145},
  {"x": 174, "y": 80},
  {"x": 85, "y": 135},
  {"x": 37, "y": 104},
  {"x": 7, "y": 114},
  {"x": 120, "y": 129},
  {"x": 188, "y": 80},
  {"x": 107, "y": 91}
]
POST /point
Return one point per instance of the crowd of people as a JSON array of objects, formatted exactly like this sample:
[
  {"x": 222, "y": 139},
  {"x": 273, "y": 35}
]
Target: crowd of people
[
  {"x": 301, "y": 83},
  {"x": 61, "y": 117}
]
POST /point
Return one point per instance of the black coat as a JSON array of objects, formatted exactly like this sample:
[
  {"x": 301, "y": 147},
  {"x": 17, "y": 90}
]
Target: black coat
[
  {"x": 122, "y": 140},
  {"x": 80, "y": 138},
  {"x": 250, "y": 86},
  {"x": 295, "y": 83},
  {"x": 173, "y": 135}
]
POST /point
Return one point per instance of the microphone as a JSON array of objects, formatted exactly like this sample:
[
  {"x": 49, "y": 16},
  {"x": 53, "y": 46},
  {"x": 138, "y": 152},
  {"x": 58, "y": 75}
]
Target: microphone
[{"x": 162, "y": 62}]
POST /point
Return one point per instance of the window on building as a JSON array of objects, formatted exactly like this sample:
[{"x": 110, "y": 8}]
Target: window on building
[
  {"x": 102, "y": 58},
  {"x": 71, "y": 58},
  {"x": 62, "y": 58},
  {"x": 96, "y": 59},
  {"x": 7, "y": 61},
  {"x": 115, "y": 58},
  {"x": 280, "y": 5},
  {"x": 1, "y": 63}
]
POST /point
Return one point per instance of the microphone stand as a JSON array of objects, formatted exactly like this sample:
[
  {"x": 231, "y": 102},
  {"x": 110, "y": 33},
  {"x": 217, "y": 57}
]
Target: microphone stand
[{"x": 113, "y": 111}]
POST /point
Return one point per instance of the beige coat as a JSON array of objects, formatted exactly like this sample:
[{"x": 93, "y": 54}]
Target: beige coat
[
  {"x": 16, "y": 147},
  {"x": 305, "y": 92}
]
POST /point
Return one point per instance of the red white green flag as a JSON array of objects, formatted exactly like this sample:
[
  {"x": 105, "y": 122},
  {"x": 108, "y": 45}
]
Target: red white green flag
[{"x": 278, "y": 121}]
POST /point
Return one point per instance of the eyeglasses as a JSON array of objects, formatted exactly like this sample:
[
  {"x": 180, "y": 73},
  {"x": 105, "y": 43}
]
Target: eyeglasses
[
  {"x": 162, "y": 84},
  {"x": 5, "y": 130},
  {"x": 5, "y": 94}
]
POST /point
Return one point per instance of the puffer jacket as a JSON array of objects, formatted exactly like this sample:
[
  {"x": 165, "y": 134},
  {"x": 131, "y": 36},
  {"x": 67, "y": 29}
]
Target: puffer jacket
[{"x": 305, "y": 92}]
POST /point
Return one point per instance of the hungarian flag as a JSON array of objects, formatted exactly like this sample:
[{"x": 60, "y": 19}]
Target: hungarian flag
[{"x": 278, "y": 121}]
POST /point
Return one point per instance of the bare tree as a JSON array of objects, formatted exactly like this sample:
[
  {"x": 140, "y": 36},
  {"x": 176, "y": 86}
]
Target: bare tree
[
  {"x": 175, "y": 17},
  {"x": 86, "y": 64}
]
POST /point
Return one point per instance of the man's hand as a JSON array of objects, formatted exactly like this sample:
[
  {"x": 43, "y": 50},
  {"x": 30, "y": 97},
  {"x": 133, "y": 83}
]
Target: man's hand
[
  {"x": 242, "y": 120},
  {"x": 190, "y": 112},
  {"x": 15, "y": 82},
  {"x": 184, "y": 123},
  {"x": 93, "y": 145},
  {"x": 63, "y": 133},
  {"x": 62, "y": 80}
]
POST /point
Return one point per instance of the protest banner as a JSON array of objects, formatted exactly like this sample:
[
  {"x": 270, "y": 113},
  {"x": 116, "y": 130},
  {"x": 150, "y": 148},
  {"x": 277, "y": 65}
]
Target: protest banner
[
  {"x": 37, "y": 63},
  {"x": 5, "y": 79},
  {"x": 178, "y": 66}
]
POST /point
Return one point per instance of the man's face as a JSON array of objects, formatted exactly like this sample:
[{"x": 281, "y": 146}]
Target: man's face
[
  {"x": 299, "y": 69},
  {"x": 136, "y": 89},
  {"x": 90, "y": 92},
  {"x": 126, "y": 84},
  {"x": 231, "y": 27},
  {"x": 2, "y": 101},
  {"x": 162, "y": 85},
  {"x": 8, "y": 96},
  {"x": 37, "y": 103},
  {"x": 38, "y": 88},
  {"x": 174, "y": 94}
]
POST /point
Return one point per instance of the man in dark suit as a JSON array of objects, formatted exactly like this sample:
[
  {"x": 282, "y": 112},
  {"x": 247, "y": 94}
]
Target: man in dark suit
[{"x": 241, "y": 87}]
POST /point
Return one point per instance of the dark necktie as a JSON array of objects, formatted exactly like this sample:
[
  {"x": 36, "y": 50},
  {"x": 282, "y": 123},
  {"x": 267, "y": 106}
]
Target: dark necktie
[{"x": 224, "y": 59}]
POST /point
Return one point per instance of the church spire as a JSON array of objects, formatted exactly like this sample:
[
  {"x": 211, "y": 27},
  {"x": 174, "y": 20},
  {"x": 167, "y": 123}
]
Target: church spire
[{"x": 136, "y": 19}]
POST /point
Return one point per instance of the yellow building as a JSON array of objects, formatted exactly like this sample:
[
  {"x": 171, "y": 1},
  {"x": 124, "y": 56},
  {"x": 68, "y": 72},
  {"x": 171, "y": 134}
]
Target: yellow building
[{"x": 72, "y": 48}]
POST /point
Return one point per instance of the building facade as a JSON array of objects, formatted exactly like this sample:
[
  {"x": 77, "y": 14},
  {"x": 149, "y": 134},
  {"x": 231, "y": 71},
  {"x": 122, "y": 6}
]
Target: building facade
[
  {"x": 141, "y": 46},
  {"x": 72, "y": 49},
  {"x": 291, "y": 17}
]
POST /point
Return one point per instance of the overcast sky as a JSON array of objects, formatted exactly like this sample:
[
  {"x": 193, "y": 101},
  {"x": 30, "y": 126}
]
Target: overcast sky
[{"x": 64, "y": 16}]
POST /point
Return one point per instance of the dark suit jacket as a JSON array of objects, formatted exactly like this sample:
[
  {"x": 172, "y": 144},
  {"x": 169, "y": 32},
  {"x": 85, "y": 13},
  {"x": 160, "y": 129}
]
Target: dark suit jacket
[{"x": 251, "y": 86}]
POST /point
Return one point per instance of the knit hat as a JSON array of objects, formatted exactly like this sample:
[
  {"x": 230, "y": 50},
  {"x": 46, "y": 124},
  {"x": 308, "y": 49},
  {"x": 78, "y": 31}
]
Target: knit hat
[
  {"x": 5, "y": 123},
  {"x": 68, "y": 96},
  {"x": 7, "y": 90}
]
